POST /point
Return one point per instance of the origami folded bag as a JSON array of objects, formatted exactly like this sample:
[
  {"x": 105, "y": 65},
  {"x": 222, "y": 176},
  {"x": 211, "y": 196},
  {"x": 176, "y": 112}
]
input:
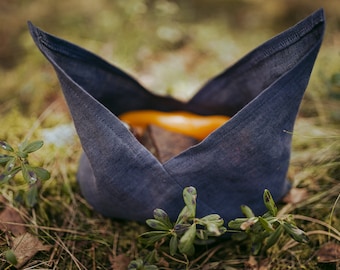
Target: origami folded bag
[{"x": 262, "y": 92}]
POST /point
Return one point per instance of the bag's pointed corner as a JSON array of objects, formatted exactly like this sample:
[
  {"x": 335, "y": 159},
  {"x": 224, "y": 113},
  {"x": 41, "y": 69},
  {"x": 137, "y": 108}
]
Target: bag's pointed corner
[
  {"x": 320, "y": 12},
  {"x": 34, "y": 31}
]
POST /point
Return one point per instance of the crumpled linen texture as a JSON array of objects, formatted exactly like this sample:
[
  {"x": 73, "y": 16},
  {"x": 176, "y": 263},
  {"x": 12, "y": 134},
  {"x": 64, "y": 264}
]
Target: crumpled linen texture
[{"x": 262, "y": 92}]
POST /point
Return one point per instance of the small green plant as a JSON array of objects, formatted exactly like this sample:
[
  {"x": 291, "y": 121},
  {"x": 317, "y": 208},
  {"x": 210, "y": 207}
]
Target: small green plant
[
  {"x": 17, "y": 161},
  {"x": 264, "y": 231},
  {"x": 187, "y": 231}
]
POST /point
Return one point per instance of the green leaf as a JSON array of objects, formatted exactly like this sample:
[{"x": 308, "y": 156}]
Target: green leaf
[
  {"x": 29, "y": 175},
  {"x": 139, "y": 265},
  {"x": 213, "y": 223},
  {"x": 152, "y": 237},
  {"x": 10, "y": 164},
  {"x": 151, "y": 257},
  {"x": 239, "y": 236},
  {"x": 201, "y": 234},
  {"x": 157, "y": 225},
  {"x": 136, "y": 264},
  {"x": 247, "y": 211},
  {"x": 5, "y": 158},
  {"x": 274, "y": 237},
  {"x": 30, "y": 147},
  {"x": 236, "y": 223},
  {"x": 162, "y": 216},
  {"x": 173, "y": 245},
  {"x": 223, "y": 230},
  {"x": 269, "y": 202},
  {"x": 4, "y": 145},
  {"x": 5, "y": 177},
  {"x": 10, "y": 257},
  {"x": 266, "y": 225},
  {"x": 213, "y": 228},
  {"x": 22, "y": 154},
  {"x": 181, "y": 228},
  {"x": 214, "y": 218},
  {"x": 296, "y": 233},
  {"x": 184, "y": 216},
  {"x": 32, "y": 196},
  {"x": 41, "y": 173},
  {"x": 256, "y": 247},
  {"x": 189, "y": 196},
  {"x": 186, "y": 243}
]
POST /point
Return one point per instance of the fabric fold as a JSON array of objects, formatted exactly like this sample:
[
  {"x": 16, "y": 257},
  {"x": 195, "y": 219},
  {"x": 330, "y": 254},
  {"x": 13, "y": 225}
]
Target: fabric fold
[{"x": 232, "y": 166}]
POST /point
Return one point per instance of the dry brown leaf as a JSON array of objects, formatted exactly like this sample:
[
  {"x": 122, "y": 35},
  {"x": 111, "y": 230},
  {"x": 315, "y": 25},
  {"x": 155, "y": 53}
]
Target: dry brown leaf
[
  {"x": 165, "y": 144},
  {"x": 296, "y": 195},
  {"x": 328, "y": 253},
  {"x": 163, "y": 263},
  {"x": 120, "y": 262},
  {"x": 26, "y": 246},
  {"x": 251, "y": 264},
  {"x": 10, "y": 221},
  {"x": 2, "y": 200},
  {"x": 264, "y": 264}
]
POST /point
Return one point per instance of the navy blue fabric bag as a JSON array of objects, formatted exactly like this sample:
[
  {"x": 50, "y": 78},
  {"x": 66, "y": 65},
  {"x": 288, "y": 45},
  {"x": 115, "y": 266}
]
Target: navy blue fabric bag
[{"x": 262, "y": 92}]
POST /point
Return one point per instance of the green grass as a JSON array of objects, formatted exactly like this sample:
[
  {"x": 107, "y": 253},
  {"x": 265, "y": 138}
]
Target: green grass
[{"x": 203, "y": 44}]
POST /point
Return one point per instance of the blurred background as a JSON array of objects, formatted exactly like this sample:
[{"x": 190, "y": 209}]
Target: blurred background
[{"x": 171, "y": 46}]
